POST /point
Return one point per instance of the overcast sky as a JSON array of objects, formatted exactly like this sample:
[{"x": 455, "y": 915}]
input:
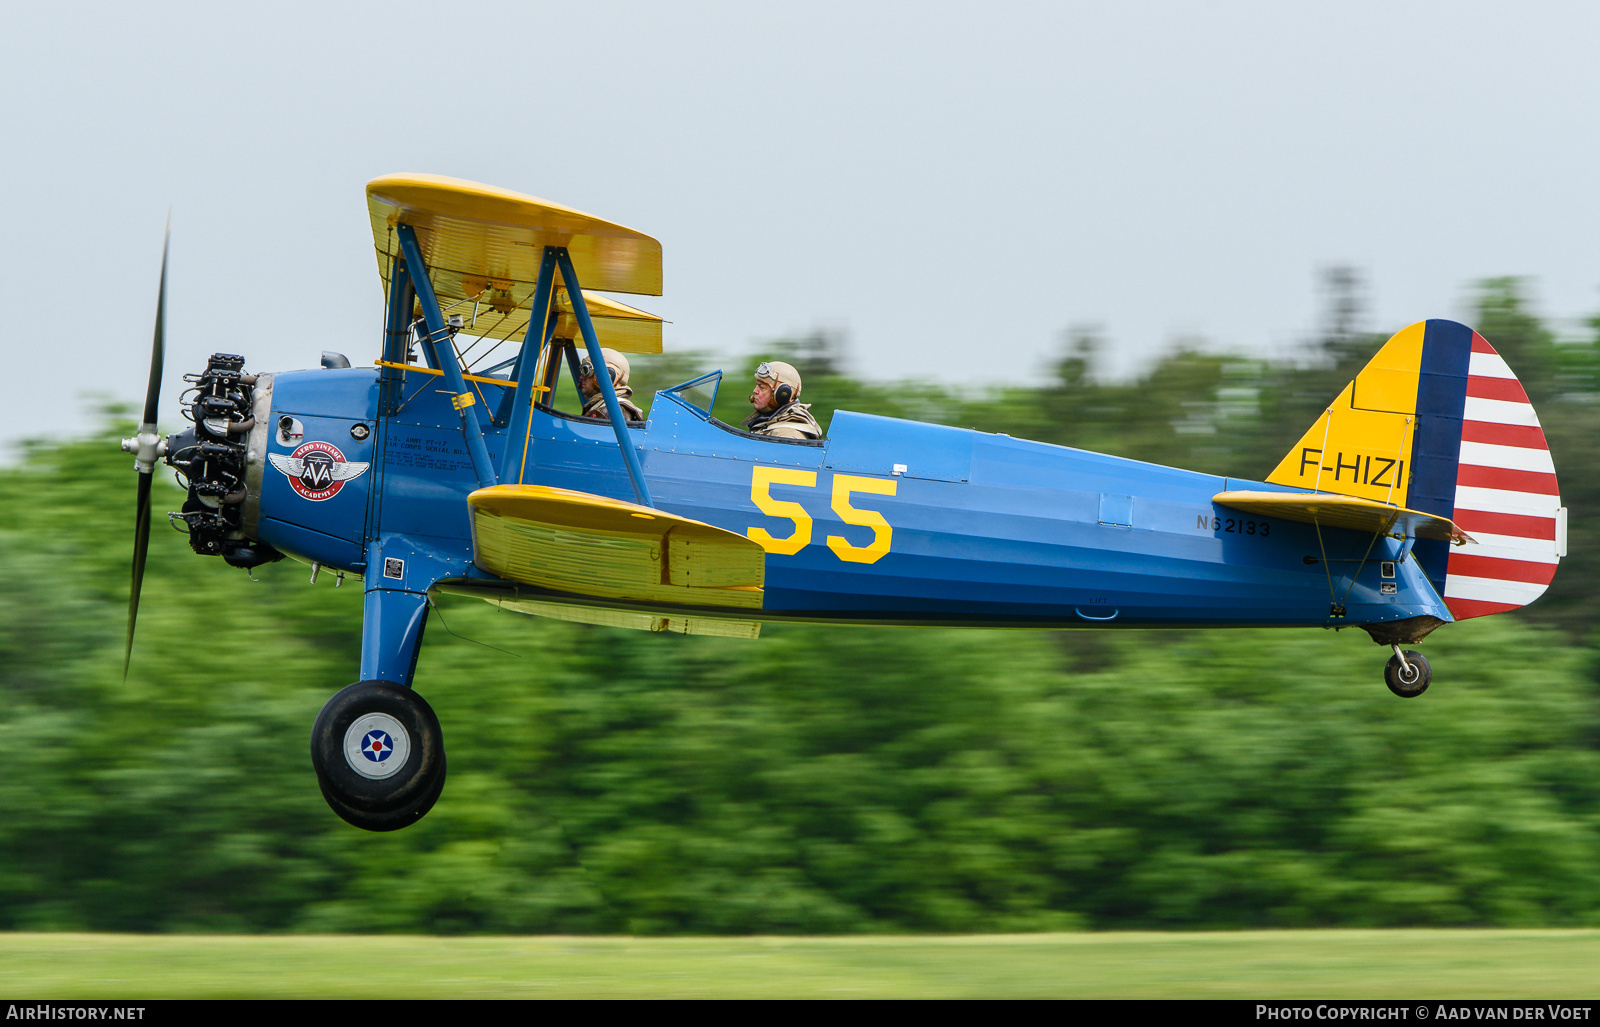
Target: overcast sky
[{"x": 951, "y": 184}]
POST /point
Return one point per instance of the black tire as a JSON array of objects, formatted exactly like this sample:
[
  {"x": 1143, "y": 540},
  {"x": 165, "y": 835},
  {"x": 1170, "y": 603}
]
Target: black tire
[
  {"x": 1408, "y": 686},
  {"x": 402, "y": 726},
  {"x": 392, "y": 821}
]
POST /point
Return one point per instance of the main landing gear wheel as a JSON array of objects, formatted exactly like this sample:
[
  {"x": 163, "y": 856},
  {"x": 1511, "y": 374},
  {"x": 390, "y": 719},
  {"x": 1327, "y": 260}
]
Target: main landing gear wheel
[
  {"x": 1408, "y": 674},
  {"x": 379, "y": 755}
]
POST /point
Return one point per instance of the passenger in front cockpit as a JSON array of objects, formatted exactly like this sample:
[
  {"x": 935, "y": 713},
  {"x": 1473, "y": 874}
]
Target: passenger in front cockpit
[
  {"x": 777, "y": 412},
  {"x": 594, "y": 401}
]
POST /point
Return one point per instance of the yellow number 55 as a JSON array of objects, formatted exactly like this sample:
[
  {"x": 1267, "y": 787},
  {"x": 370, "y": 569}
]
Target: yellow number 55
[
  {"x": 882, "y": 533},
  {"x": 761, "y": 480}
]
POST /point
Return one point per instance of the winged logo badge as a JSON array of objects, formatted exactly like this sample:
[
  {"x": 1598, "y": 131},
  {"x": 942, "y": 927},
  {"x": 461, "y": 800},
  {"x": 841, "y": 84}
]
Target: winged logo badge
[{"x": 317, "y": 470}]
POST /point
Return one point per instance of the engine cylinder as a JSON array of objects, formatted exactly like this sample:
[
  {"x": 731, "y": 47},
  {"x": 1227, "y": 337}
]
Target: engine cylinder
[{"x": 212, "y": 459}]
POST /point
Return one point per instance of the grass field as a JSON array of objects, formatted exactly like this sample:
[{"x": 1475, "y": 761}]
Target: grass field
[{"x": 1254, "y": 964}]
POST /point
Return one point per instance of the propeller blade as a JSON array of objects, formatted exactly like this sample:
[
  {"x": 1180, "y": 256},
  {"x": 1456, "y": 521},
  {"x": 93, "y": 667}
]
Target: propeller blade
[
  {"x": 152, "y": 394},
  {"x": 158, "y": 348},
  {"x": 141, "y": 545}
]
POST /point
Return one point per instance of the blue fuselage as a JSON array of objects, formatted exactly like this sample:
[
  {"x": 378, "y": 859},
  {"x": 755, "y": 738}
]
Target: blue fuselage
[{"x": 978, "y": 529}]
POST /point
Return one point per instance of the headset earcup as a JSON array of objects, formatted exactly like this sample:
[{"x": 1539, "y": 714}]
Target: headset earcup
[{"x": 784, "y": 393}]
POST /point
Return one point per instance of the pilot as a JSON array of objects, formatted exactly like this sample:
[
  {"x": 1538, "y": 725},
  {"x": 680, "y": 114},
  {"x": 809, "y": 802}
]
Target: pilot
[
  {"x": 594, "y": 401},
  {"x": 776, "y": 411}
]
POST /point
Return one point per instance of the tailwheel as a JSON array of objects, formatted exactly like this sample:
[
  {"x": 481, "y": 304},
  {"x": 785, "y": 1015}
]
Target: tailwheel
[
  {"x": 379, "y": 755},
  {"x": 1407, "y": 673}
]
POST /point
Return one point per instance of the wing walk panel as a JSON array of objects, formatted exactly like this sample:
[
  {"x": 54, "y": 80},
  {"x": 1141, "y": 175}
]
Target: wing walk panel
[{"x": 591, "y": 545}]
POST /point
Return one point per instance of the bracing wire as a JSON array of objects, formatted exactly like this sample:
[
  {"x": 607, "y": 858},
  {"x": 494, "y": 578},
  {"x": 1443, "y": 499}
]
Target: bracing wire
[{"x": 434, "y": 603}]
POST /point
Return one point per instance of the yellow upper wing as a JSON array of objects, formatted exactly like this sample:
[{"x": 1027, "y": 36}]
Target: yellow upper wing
[
  {"x": 484, "y": 242},
  {"x": 623, "y": 328}
]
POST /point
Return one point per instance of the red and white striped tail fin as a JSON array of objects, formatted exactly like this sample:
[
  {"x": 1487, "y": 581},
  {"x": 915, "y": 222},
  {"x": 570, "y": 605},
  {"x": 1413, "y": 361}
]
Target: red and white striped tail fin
[{"x": 1506, "y": 496}]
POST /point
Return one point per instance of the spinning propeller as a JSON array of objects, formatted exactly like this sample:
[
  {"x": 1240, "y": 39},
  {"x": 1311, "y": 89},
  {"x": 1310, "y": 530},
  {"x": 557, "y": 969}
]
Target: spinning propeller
[{"x": 147, "y": 447}]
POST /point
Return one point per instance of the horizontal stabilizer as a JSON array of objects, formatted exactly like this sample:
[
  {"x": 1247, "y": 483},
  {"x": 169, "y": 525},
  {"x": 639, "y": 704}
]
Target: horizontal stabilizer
[
  {"x": 584, "y": 544},
  {"x": 1343, "y": 512}
]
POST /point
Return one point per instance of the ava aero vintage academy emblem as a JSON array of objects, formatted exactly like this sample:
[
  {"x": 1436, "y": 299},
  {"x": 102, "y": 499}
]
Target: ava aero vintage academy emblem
[{"x": 317, "y": 470}]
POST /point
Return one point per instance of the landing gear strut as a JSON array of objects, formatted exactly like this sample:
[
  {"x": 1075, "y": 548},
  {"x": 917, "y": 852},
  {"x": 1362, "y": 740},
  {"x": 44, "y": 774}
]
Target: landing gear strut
[
  {"x": 1407, "y": 673},
  {"x": 379, "y": 755}
]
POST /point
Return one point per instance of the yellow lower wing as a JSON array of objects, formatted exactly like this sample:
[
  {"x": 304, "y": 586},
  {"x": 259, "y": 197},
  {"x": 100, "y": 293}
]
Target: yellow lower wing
[
  {"x": 584, "y": 544},
  {"x": 1343, "y": 512},
  {"x": 678, "y": 623}
]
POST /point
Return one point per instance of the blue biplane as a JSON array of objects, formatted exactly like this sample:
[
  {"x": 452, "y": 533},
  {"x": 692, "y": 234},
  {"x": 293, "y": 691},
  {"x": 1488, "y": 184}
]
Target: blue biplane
[{"x": 1424, "y": 494}]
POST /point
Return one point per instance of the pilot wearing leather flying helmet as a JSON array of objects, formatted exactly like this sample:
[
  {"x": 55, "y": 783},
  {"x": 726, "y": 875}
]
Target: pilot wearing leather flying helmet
[
  {"x": 594, "y": 401},
  {"x": 776, "y": 411}
]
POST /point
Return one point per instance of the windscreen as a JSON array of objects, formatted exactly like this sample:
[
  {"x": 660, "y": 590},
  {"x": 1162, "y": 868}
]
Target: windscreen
[{"x": 700, "y": 393}]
